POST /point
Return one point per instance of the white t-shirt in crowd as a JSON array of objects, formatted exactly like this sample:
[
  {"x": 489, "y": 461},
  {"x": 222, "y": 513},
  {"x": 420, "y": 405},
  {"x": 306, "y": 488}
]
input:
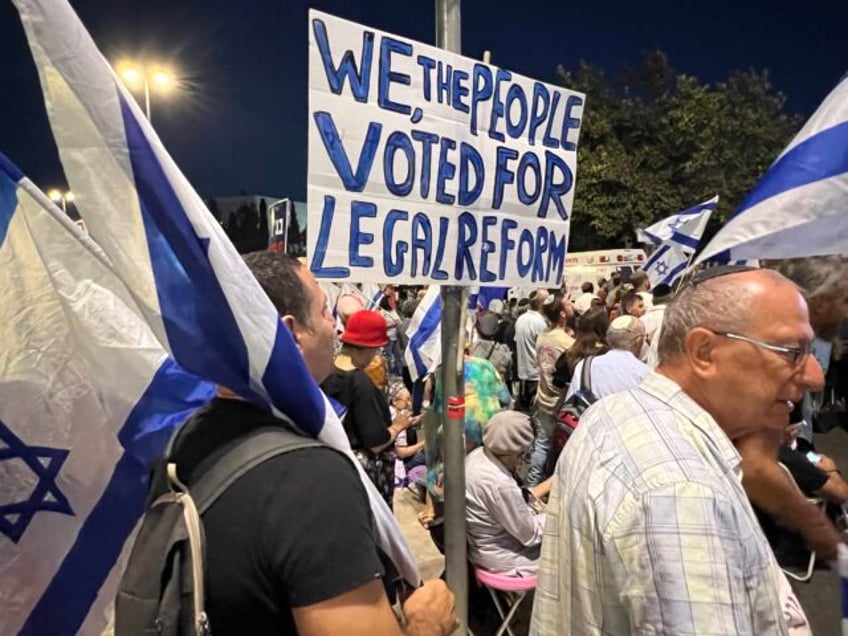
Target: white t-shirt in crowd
[{"x": 527, "y": 329}]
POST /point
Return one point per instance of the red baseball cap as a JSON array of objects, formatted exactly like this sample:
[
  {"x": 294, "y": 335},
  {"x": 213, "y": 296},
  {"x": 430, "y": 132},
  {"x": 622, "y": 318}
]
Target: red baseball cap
[{"x": 366, "y": 328}]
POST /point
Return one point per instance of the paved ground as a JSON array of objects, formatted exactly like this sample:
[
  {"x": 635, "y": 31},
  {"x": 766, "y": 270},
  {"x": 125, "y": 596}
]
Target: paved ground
[{"x": 820, "y": 596}]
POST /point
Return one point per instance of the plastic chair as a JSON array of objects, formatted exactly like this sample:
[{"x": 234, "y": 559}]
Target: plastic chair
[{"x": 507, "y": 592}]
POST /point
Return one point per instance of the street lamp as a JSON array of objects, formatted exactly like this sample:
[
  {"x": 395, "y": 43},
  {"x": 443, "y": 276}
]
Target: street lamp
[
  {"x": 61, "y": 196},
  {"x": 147, "y": 76}
]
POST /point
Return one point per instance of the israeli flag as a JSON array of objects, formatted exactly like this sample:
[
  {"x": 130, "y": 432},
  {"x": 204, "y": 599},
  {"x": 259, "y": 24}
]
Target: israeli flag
[
  {"x": 684, "y": 228},
  {"x": 666, "y": 264},
  {"x": 191, "y": 285},
  {"x": 480, "y": 297},
  {"x": 800, "y": 206},
  {"x": 424, "y": 351},
  {"x": 88, "y": 398},
  {"x": 373, "y": 295}
]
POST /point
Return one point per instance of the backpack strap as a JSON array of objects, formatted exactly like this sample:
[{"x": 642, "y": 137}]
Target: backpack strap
[
  {"x": 243, "y": 455},
  {"x": 586, "y": 379}
]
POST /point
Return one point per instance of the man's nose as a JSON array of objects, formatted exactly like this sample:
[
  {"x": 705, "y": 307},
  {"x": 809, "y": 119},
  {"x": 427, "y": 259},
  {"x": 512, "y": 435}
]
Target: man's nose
[{"x": 812, "y": 375}]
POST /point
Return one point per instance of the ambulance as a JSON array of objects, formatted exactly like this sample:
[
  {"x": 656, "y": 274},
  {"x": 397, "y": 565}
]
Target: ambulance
[{"x": 581, "y": 267}]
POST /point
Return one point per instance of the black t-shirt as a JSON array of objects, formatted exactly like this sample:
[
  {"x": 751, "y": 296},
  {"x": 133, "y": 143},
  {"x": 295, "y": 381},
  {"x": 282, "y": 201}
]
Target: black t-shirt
[
  {"x": 293, "y": 531},
  {"x": 368, "y": 418},
  {"x": 808, "y": 476}
]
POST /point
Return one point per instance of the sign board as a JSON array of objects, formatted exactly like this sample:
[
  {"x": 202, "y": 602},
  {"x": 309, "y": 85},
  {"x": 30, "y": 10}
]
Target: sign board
[
  {"x": 429, "y": 167},
  {"x": 279, "y": 214}
]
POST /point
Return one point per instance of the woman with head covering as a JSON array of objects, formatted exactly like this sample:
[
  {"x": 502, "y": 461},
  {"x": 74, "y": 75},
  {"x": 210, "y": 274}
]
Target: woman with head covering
[{"x": 504, "y": 533}]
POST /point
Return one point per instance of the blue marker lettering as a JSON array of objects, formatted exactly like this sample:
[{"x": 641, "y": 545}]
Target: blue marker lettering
[
  {"x": 481, "y": 87},
  {"x": 427, "y": 140},
  {"x": 447, "y": 170},
  {"x": 389, "y": 45},
  {"x": 358, "y": 76},
  {"x": 503, "y": 175},
  {"x": 570, "y": 123},
  {"x": 516, "y": 94},
  {"x": 353, "y": 182},
  {"x": 422, "y": 240},
  {"x": 486, "y": 275},
  {"x": 358, "y": 210},
  {"x": 320, "y": 254},
  {"x": 555, "y": 189},
  {"x": 393, "y": 263},
  {"x": 470, "y": 159},
  {"x": 467, "y": 238},
  {"x": 399, "y": 141}
]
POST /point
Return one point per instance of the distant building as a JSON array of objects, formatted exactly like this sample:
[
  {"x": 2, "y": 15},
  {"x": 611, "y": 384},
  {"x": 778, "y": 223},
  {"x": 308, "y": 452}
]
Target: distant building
[{"x": 245, "y": 219}]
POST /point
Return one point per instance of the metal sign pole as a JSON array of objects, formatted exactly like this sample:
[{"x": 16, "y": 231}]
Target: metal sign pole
[{"x": 453, "y": 386}]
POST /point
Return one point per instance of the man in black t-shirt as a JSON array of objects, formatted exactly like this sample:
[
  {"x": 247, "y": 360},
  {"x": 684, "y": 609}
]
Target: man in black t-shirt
[{"x": 290, "y": 546}]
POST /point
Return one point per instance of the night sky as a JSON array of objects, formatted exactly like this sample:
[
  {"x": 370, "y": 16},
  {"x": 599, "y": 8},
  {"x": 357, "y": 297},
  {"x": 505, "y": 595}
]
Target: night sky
[{"x": 239, "y": 122}]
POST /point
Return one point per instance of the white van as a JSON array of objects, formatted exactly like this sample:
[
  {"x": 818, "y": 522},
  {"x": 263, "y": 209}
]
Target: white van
[{"x": 582, "y": 267}]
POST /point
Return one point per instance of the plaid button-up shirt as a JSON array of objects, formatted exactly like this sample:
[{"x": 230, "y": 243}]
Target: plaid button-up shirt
[{"x": 649, "y": 530}]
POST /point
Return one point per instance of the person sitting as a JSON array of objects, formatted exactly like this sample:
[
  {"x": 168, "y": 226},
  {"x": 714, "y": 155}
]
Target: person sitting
[
  {"x": 368, "y": 422},
  {"x": 504, "y": 533},
  {"x": 410, "y": 466}
]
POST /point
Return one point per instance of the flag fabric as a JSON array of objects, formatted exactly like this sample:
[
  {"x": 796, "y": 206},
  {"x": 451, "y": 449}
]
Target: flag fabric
[
  {"x": 424, "y": 351},
  {"x": 190, "y": 283},
  {"x": 480, "y": 297},
  {"x": 800, "y": 206},
  {"x": 684, "y": 228},
  {"x": 373, "y": 294},
  {"x": 666, "y": 264},
  {"x": 88, "y": 398}
]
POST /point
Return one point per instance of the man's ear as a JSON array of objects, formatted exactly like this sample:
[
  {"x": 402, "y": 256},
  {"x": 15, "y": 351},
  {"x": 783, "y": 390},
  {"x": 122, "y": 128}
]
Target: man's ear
[
  {"x": 699, "y": 349},
  {"x": 291, "y": 324}
]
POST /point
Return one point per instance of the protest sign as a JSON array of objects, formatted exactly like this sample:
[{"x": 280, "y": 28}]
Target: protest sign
[{"x": 426, "y": 166}]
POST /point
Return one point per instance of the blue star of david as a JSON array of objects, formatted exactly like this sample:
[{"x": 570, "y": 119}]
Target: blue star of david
[
  {"x": 45, "y": 463},
  {"x": 676, "y": 223},
  {"x": 662, "y": 268}
]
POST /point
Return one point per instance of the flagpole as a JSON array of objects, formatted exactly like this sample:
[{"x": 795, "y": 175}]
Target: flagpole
[{"x": 453, "y": 386}]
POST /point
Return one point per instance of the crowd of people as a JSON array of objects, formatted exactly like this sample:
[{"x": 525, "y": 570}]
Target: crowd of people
[{"x": 658, "y": 510}]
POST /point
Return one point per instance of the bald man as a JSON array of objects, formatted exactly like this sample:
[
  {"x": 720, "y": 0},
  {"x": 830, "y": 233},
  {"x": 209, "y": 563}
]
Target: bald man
[{"x": 649, "y": 530}]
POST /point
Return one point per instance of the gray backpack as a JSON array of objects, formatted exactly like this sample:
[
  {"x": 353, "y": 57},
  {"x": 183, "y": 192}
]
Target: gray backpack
[{"x": 162, "y": 589}]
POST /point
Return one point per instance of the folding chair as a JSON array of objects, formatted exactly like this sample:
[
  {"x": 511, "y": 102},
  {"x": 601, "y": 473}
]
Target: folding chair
[{"x": 507, "y": 592}]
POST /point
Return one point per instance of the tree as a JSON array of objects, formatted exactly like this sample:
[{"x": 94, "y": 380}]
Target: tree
[
  {"x": 296, "y": 239},
  {"x": 263, "y": 225},
  {"x": 654, "y": 142}
]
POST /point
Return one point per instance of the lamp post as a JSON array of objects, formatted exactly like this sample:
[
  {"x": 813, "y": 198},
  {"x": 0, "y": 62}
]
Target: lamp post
[
  {"x": 146, "y": 76},
  {"x": 64, "y": 197}
]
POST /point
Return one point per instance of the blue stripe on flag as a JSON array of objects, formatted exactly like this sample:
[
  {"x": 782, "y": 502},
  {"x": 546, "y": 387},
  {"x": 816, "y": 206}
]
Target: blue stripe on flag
[
  {"x": 655, "y": 257},
  {"x": 101, "y": 537},
  {"x": 9, "y": 177},
  {"x": 675, "y": 273},
  {"x": 701, "y": 207},
  {"x": 73, "y": 590},
  {"x": 306, "y": 406},
  {"x": 184, "y": 276},
  {"x": 425, "y": 330},
  {"x": 685, "y": 240},
  {"x": 161, "y": 408},
  {"x": 820, "y": 157}
]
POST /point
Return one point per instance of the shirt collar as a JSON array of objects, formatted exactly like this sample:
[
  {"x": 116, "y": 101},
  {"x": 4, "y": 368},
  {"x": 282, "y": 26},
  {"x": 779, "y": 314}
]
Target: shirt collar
[{"x": 668, "y": 391}]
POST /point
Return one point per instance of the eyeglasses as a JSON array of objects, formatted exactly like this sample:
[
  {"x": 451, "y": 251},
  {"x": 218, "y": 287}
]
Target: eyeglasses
[{"x": 796, "y": 355}]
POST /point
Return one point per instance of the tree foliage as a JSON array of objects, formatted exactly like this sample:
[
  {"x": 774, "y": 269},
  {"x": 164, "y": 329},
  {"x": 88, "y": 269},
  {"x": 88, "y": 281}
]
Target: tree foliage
[{"x": 654, "y": 142}]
